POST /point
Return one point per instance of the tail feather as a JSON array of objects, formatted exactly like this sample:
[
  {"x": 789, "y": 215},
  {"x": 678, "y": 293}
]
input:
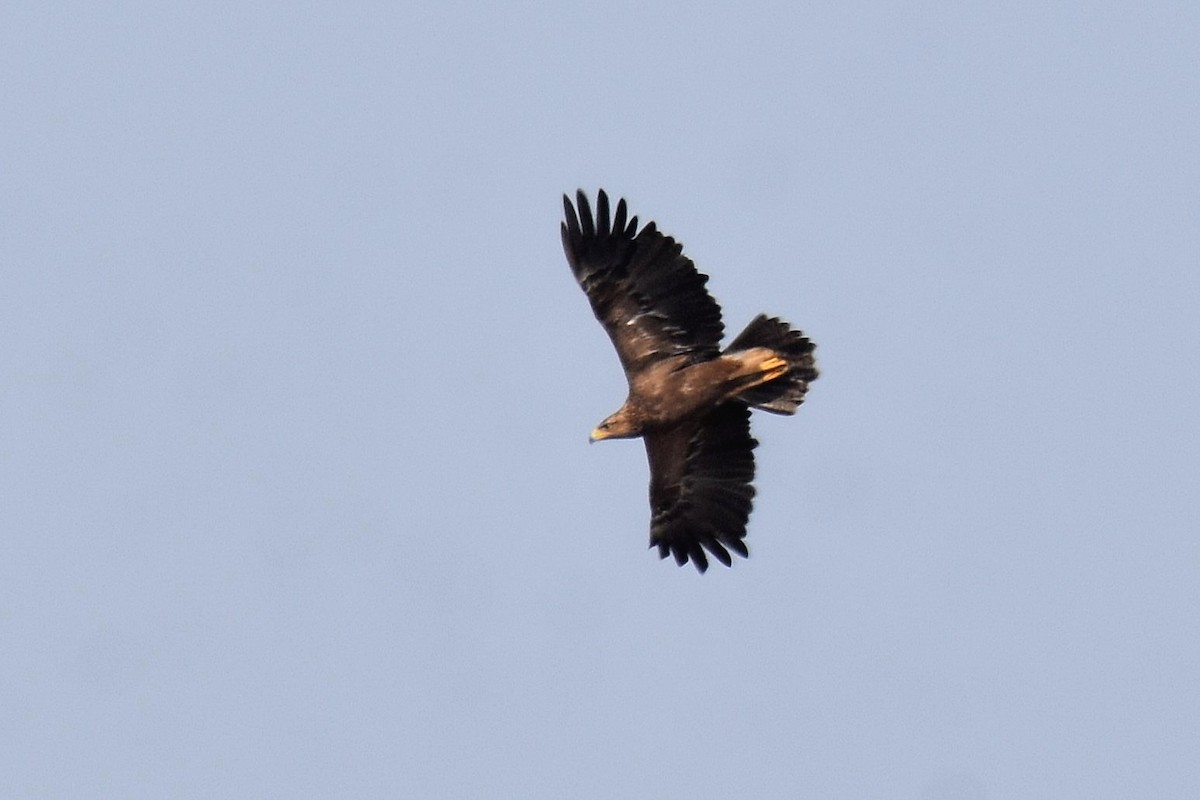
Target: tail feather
[{"x": 784, "y": 394}]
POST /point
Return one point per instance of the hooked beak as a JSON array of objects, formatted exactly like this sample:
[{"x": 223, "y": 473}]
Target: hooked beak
[{"x": 596, "y": 436}]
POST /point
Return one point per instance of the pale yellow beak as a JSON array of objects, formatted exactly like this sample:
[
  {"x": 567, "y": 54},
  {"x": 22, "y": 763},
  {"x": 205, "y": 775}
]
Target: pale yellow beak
[{"x": 596, "y": 436}]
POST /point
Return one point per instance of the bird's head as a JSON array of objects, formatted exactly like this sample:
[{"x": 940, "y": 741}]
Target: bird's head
[{"x": 617, "y": 426}]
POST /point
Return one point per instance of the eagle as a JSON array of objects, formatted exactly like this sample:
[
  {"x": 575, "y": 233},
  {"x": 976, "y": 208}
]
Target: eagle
[{"x": 689, "y": 400}]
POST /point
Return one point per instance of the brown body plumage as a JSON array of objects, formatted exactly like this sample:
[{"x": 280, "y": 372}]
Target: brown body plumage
[{"x": 688, "y": 399}]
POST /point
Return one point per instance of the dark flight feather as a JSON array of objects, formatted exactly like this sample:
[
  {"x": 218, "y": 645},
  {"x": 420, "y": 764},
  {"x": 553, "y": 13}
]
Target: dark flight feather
[
  {"x": 645, "y": 292},
  {"x": 700, "y": 485}
]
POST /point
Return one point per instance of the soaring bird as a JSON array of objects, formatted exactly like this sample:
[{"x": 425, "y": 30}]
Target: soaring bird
[{"x": 688, "y": 399}]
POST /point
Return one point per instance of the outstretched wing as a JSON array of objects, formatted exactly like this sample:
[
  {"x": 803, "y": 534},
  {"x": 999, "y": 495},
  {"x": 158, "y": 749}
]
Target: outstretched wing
[
  {"x": 700, "y": 486},
  {"x": 645, "y": 292}
]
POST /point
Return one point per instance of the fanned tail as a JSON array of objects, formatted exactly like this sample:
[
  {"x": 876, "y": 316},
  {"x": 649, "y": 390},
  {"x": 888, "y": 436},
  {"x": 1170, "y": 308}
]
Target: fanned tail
[{"x": 784, "y": 394}]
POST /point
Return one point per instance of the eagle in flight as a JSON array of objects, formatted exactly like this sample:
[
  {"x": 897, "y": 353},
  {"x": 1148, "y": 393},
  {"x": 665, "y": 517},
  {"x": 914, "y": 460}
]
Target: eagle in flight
[{"x": 688, "y": 400}]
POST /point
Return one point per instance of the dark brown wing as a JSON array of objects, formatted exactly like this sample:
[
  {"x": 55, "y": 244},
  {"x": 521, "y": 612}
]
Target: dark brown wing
[
  {"x": 700, "y": 486},
  {"x": 645, "y": 292}
]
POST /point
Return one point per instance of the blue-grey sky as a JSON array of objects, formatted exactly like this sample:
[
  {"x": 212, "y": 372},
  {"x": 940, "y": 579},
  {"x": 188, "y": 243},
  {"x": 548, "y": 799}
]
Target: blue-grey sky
[{"x": 295, "y": 389}]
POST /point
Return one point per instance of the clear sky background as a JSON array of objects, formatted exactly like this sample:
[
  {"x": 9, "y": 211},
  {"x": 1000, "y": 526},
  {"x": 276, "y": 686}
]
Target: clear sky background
[{"x": 295, "y": 388}]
